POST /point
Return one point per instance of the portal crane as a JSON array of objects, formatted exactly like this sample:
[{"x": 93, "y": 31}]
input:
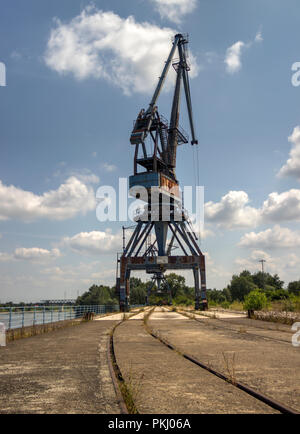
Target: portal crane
[{"x": 156, "y": 172}]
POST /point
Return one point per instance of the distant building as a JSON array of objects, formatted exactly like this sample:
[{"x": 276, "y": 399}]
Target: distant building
[{"x": 58, "y": 302}]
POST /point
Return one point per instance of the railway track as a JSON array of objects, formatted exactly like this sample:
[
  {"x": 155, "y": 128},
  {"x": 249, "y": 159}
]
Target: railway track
[
  {"x": 204, "y": 318},
  {"x": 125, "y": 400},
  {"x": 192, "y": 361},
  {"x": 261, "y": 397}
]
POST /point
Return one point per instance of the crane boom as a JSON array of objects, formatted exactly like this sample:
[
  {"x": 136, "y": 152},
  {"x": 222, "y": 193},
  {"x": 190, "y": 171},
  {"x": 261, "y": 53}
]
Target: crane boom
[
  {"x": 145, "y": 118},
  {"x": 163, "y": 75},
  {"x": 166, "y": 137}
]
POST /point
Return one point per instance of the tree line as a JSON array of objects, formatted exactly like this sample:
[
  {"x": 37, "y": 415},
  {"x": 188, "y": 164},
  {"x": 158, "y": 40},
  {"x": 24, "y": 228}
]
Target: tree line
[
  {"x": 237, "y": 290},
  {"x": 240, "y": 286}
]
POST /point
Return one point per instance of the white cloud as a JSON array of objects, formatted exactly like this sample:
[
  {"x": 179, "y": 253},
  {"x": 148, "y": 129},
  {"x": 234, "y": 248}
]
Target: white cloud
[
  {"x": 94, "y": 243},
  {"x": 287, "y": 266},
  {"x": 85, "y": 176},
  {"x": 103, "y": 45},
  {"x": 53, "y": 271},
  {"x": 201, "y": 232},
  {"x": 213, "y": 270},
  {"x": 204, "y": 234},
  {"x": 70, "y": 199},
  {"x": 252, "y": 263},
  {"x": 36, "y": 254},
  {"x": 233, "y": 57},
  {"x": 81, "y": 275},
  {"x": 109, "y": 167},
  {"x": 292, "y": 166},
  {"x": 277, "y": 237},
  {"x": 33, "y": 254},
  {"x": 232, "y": 211},
  {"x": 16, "y": 55},
  {"x": 4, "y": 257},
  {"x": 234, "y": 53},
  {"x": 282, "y": 207},
  {"x": 260, "y": 254},
  {"x": 174, "y": 10},
  {"x": 108, "y": 274},
  {"x": 259, "y": 37},
  {"x": 293, "y": 262}
]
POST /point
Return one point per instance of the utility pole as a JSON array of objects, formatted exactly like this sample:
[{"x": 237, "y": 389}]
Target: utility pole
[{"x": 262, "y": 261}]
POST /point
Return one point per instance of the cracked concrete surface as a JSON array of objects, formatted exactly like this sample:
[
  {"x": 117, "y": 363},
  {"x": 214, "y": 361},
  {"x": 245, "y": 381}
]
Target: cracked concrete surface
[{"x": 61, "y": 372}]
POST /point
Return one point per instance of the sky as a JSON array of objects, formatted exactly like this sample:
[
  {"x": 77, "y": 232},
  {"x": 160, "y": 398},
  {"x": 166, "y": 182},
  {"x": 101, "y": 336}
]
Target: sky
[{"x": 78, "y": 73}]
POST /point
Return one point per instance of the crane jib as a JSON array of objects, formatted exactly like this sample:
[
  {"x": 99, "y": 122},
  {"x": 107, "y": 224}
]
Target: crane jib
[{"x": 145, "y": 118}]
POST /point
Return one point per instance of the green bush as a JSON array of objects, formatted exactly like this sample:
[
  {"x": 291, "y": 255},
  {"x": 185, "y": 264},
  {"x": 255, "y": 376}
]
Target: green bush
[
  {"x": 294, "y": 288},
  {"x": 183, "y": 300},
  {"x": 289, "y": 305},
  {"x": 255, "y": 300},
  {"x": 241, "y": 286},
  {"x": 213, "y": 303},
  {"x": 237, "y": 305}
]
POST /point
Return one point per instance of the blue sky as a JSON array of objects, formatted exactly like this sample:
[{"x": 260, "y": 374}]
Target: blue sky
[{"x": 77, "y": 75}]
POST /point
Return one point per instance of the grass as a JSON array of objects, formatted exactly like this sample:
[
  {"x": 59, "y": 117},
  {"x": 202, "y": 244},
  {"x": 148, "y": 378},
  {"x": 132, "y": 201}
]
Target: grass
[
  {"x": 281, "y": 311},
  {"x": 88, "y": 316},
  {"x": 236, "y": 305},
  {"x": 230, "y": 368},
  {"x": 289, "y": 305},
  {"x": 147, "y": 315},
  {"x": 212, "y": 315},
  {"x": 131, "y": 390}
]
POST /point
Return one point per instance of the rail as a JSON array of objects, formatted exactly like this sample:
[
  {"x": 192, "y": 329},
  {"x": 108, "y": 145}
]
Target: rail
[
  {"x": 26, "y": 316},
  {"x": 281, "y": 407}
]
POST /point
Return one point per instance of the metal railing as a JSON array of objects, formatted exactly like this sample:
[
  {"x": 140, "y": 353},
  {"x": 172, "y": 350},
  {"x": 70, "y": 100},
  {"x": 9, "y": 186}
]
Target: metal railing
[{"x": 25, "y": 316}]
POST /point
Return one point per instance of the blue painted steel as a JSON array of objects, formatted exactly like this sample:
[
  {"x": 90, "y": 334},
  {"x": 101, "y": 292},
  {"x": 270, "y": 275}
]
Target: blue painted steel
[{"x": 146, "y": 180}]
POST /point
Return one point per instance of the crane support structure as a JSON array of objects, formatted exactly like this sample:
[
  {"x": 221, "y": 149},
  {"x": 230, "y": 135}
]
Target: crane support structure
[{"x": 154, "y": 182}]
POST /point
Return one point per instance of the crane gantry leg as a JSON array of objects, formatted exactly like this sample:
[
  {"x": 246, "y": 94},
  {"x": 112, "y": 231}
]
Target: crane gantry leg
[{"x": 158, "y": 265}]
